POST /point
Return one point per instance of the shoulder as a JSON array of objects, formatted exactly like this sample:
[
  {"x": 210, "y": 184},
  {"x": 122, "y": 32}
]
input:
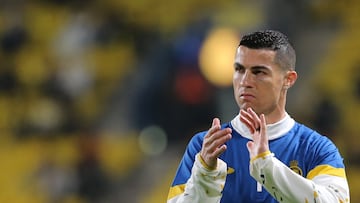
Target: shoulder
[
  {"x": 311, "y": 135},
  {"x": 319, "y": 146}
]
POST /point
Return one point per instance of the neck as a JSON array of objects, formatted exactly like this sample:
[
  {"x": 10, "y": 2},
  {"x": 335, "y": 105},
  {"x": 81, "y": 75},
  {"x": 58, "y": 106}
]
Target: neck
[
  {"x": 275, "y": 116},
  {"x": 278, "y": 112}
]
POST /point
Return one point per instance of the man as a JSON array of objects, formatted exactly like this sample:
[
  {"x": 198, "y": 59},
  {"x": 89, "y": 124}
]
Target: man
[{"x": 262, "y": 155}]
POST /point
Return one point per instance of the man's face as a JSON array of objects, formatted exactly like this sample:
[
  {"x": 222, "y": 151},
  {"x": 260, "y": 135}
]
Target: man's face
[{"x": 258, "y": 81}]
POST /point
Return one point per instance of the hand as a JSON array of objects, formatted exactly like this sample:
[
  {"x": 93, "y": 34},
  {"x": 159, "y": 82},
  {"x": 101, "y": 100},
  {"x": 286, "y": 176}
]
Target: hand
[
  {"x": 214, "y": 143},
  {"x": 257, "y": 126}
]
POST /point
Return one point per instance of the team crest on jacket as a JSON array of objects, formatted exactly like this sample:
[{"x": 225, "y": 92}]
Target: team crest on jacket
[{"x": 294, "y": 166}]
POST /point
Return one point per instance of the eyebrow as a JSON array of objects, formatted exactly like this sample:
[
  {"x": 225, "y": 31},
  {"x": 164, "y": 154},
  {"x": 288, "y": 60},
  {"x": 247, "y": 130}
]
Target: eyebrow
[{"x": 238, "y": 65}]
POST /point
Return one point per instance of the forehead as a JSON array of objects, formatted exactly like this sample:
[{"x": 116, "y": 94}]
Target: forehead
[{"x": 248, "y": 57}]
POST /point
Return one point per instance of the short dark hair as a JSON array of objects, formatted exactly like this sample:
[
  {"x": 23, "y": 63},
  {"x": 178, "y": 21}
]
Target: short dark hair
[{"x": 272, "y": 40}]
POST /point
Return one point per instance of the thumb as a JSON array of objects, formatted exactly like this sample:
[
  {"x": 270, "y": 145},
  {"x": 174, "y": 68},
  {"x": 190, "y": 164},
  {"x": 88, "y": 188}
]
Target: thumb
[
  {"x": 250, "y": 145},
  {"x": 215, "y": 122}
]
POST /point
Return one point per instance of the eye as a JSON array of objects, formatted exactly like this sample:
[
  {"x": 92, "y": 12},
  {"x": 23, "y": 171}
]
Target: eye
[
  {"x": 257, "y": 72},
  {"x": 239, "y": 68}
]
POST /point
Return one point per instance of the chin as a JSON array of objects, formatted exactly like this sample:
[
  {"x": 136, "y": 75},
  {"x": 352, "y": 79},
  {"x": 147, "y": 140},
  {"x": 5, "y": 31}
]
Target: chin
[{"x": 246, "y": 106}]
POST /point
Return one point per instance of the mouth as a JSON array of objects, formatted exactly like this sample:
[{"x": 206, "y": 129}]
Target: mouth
[{"x": 247, "y": 96}]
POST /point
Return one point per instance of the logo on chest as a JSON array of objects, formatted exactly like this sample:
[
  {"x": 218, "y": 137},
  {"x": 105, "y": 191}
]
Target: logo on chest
[{"x": 294, "y": 166}]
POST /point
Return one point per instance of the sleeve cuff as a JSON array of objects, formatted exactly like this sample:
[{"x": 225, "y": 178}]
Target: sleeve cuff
[
  {"x": 261, "y": 155},
  {"x": 203, "y": 163},
  {"x": 203, "y": 168}
]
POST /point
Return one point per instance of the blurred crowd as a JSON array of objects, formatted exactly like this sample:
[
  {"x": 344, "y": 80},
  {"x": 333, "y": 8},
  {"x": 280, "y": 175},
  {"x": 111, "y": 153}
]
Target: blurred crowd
[{"x": 95, "y": 94}]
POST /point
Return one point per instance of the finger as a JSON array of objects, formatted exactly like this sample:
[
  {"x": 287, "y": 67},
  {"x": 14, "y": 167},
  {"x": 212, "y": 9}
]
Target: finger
[
  {"x": 263, "y": 128},
  {"x": 220, "y": 138},
  {"x": 211, "y": 136},
  {"x": 246, "y": 118},
  {"x": 251, "y": 116},
  {"x": 219, "y": 151},
  {"x": 215, "y": 126},
  {"x": 248, "y": 124},
  {"x": 256, "y": 119},
  {"x": 214, "y": 133},
  {"x": 263, "y": 121},
  {"x": 211, "y": 150}
]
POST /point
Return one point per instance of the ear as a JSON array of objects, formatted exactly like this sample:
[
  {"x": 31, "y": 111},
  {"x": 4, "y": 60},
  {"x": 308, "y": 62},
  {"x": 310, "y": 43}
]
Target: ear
[{"x": 290, "y": 79}]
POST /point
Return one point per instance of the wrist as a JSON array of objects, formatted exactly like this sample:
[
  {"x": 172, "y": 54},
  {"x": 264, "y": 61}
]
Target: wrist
[
  {"x": 205, "y": 165},
  {"x": 261, "y": 155}
]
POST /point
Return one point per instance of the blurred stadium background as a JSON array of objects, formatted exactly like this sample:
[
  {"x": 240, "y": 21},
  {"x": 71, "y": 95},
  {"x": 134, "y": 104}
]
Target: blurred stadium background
[{"x": 99, "y": 98}]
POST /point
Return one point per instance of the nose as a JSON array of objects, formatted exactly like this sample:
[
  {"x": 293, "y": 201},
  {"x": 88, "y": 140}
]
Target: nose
[{"x": 246, "y": 78}]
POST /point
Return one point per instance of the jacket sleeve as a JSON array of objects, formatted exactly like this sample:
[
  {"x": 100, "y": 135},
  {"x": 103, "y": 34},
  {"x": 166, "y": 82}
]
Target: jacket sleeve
[
  {"x": 327, "y": 184},
  {"x": 204, "y": 185}
]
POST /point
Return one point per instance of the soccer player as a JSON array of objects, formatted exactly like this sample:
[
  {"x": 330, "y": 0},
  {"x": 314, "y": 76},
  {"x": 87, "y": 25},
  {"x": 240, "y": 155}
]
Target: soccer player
[{"x": 263, "y": 154}]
